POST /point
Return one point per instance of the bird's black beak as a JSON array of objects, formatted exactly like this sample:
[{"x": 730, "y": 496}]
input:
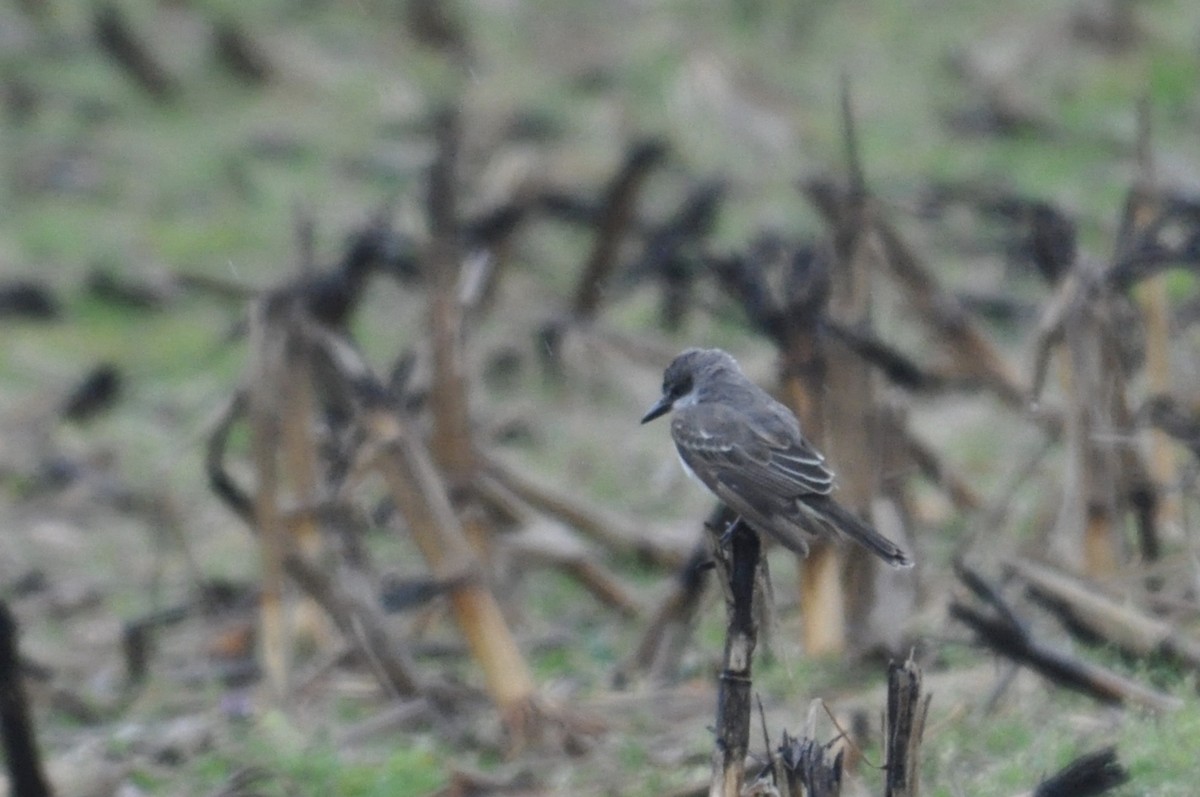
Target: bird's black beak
[{"x": 662, "y": 407}]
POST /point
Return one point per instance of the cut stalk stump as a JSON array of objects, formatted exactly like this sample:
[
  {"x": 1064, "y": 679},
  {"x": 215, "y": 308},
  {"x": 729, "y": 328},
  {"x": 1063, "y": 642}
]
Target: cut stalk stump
[
  {"x": 741, "y": 567},
  {"x": 906, "y": 712}
]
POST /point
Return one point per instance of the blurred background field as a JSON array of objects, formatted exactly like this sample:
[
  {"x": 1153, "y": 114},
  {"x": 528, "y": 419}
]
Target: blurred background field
[{"x": 143, "y": 207}]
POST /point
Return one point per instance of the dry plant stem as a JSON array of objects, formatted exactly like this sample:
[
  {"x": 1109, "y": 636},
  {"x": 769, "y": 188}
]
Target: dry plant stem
[
  {"x": 898, "y": 368},
  {"x": 440, "y": 27},
  {"x": 137, "y": 639},
  {"x": 1081, "y": 676},
  {"x": 264, "y": 411},
  {"x": 804, "y": 369},
  {"x": 805, "y": 383},
  {"x": 610, "y": 530},
  {"x": 840, "y": 596},
  {"x": 557, "y": 547},
  {"x": 823, "y": 599},
  {"x": 772, "y": 761},
  {"x": 1087, "y": 319},
  {"x": 304, "y": 228},
  {"x": 358, "y": 618},
  {"x": 662, "y": 643},
  {"x": 974, "y": 353},
  {"x": 997, "y": 511},
  {"x": 421, "y": 497},
  {"x": 740, "y": 568},
  {"x": 620, "y": 201},
  {"x": 821, "y": 592},
  {"x": 1107, "y": 479},
  {"x": 1087, "y": 776},
  {"x": 853, "y": 433},
  {"x": 934, "y": 468},
  {"x": 1008, "y": 634},
  {"x": 603, "y": 584},
  {"x": 1119, "y": 624},
  {"x": 804, "y": 374},
  {"x": 119, "y": 42},
  {"x": 451, "y": 444},
  {"x": 240, "y": 53},
  {"x": 397, "y": 716},
  {"x": 1163, "y": 465},
  {"x": 219, "y": 480},
  {"x": 1154, "y": 305},
  {"x": 906, "y": 712},
  {"x": 361, "y": 623},
  {"x": 26, "y": 775},
  {"x": 561, "y": 549},
  {"x": 501, "y": 502},
  {"x": 808, "y": 769},
  {"x": 300, "y": 468}
]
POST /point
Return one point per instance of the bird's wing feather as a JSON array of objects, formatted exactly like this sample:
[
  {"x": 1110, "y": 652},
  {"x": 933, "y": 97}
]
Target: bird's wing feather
[
  {"x": 764, "y": 457},
  {"x": 780, "y": 527}
]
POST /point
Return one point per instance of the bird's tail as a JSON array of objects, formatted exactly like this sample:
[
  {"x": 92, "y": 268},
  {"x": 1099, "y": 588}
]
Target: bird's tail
[{"x": 845, "y": 523}]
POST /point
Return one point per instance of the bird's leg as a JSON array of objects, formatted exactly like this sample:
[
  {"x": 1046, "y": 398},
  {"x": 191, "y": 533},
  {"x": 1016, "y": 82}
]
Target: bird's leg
[{"x": 727, "y": 535}]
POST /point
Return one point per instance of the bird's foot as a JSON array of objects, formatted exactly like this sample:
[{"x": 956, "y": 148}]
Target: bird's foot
[{"x": 727, "y": 536}]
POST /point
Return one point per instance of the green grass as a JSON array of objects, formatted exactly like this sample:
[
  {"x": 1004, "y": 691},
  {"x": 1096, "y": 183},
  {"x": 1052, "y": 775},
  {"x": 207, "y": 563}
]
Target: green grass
[
  {"x": 295, "y": 766},
  {"x": 1009, "y": 751}
]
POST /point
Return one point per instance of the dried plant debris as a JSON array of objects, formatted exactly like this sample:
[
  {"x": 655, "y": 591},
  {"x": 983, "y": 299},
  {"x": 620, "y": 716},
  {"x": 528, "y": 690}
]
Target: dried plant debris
[
  {"x": 29, "y": 300},
  {"x": 97, "y": 392},
  {"x": 1003, "y": 630},
  {"x": 1089, "y": 775},
  {"x": 117, "y": 38}
]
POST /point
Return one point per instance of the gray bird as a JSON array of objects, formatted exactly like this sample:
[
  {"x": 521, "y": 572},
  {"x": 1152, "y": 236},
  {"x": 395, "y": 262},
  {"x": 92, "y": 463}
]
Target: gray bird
[{"x": 747, "y": 449}]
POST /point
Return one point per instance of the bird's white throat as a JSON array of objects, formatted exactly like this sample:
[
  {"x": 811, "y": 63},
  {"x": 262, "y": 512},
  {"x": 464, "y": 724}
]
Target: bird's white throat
[
  {"x": 688, "y": 470},
  {"x": 688, "y": 399}
]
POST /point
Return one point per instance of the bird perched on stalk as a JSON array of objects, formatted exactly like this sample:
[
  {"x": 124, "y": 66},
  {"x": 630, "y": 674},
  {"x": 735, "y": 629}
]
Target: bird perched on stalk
[{"x": 747, "y": 449}]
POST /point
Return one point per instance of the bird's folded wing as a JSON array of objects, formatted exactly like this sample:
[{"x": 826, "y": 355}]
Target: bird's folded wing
[{"x": 753, "y": 459}]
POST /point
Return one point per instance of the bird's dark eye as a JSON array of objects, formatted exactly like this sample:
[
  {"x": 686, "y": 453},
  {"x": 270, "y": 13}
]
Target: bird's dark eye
[{"x": 682, "y": 387}]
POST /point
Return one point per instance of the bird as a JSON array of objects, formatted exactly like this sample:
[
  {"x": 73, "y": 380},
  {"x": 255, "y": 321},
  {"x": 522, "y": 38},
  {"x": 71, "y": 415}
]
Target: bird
[{"x": 747, "y": 449}]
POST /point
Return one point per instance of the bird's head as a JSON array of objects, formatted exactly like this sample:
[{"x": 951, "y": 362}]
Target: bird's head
[{"x": 685, "y": 375}]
